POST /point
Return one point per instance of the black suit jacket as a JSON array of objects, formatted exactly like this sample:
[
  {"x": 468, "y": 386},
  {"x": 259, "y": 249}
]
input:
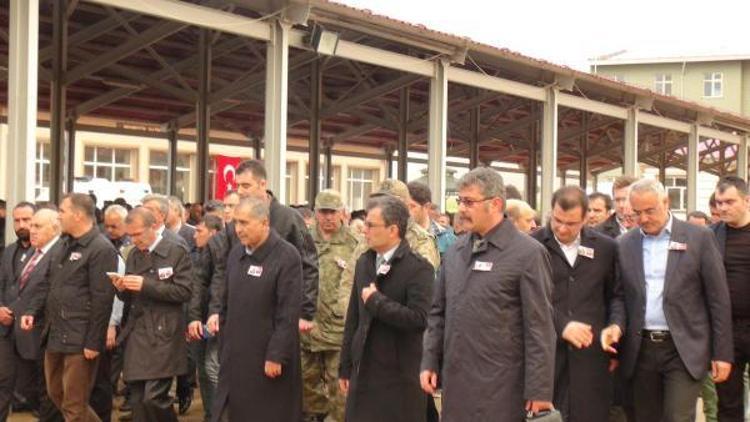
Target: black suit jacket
[
  {"x": 12, "y": 263},
  {"x": 610, "y": 227},
  {"x": 696, "y": 298},
  {"x": 30, "y": 301}
]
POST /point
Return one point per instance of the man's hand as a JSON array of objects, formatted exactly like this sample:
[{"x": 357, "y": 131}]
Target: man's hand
[
  {"x": 305, "y": 326},
  {"x": 344, "y": 386},
  {"x": 610, "y": 336},
  {"x": 195, "y": 330},
  {"x": 117, "y": 282},
  {"x": 368, "y": 291},
  {"x": 428, "y": 381},
  {"x": 90, "y": 354},
  {"x": 213, "y": 324},
  {"x": 111, "y": 337},
  {"x": 27, "y": 322},
  {"x": 273, "y": 369},
  {"x": 720, "y": 371},
  {"x": 535, "y": 406},
  {"x": 6, "y": 316},
  {"x": 132, "y": 282},
  {"x": 578, "y": 334}
]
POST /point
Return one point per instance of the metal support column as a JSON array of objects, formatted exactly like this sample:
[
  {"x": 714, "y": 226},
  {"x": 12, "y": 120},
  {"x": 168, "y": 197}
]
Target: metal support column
[
  {"x": 389, "y": 161},
  {"x": 692, "y": 168},
  {"x": 475, "y": 116},
  {"x": 203, "y": 114},
  {"x": 663, "y": 168},
  {"x": 70, "y": 127},
  {"x": 403, "y": 141},
  {"x": 549, "y": 149},
  {"x": 531, "y": 171},
  {"x": 256, "y": 146},
  {"x": 630, "y": 145},
  {"x": 328, "y": 153},
  {"x": 437, "y": 146},
  {"x": 742, "y": 158},
  {"x": 277, "y": 74},
  {"x": 172, "y": 160},
  {"x": 23, "y": 56},
  {"x": 57, "y": 98},
  {"x": 583, "y": 164},
  {"x": 316, "y": 95}
]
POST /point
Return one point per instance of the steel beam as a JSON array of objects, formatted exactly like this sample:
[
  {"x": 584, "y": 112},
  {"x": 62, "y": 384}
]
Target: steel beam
[
  {"x": 328, "y": 153},
  {"x": 742, "y": 157},
  {"x": 693, "y": 164},
  {"x": 531, "y": 175},
  {"x": 277, "y": 74},
  {"x": 437, "y": 146},
  {"x": 70, "y": 124},
  {"x": 476, "y": 126},
  {"x": 316, "y": 101},
  {"x": 57, "y": 98},
  {"x": 549, "y": 149},
  {"x": 583, "y": 167},
  {"x": 403, "y": 134},
  {"x": 257, "y": 147},
  {"x": 203, "y": 113},
  {"x": 172, "y": 161},
  {"x": 23, "y": 48},
  {"x": 630, "y": 144},
  {"x": 389, "y": 161}
]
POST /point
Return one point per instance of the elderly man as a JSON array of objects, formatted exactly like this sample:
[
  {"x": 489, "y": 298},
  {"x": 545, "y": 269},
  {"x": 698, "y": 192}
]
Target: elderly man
[
  {"x": 589, "y": 311},
  {"x": 260, "y": 377},
  {"x": 600, "y": 206},
  {"x": 75, "y": 334},
  {"x": 521, "y": 215},
  {"x": 160, "y": 208},
  {"x": 24, "y": 296},
  {"x": 618, "y": 223},
  {"x": 384, "y": 324},
  {"x": 251, "y": 182},
  {"x": 174, "y": 222},
  {"x": 114, "y": 226},
  {"x": 733, "y": 234},
  {"x": 490, "y": 341},
  {"x": 231, "y": 199},
  {"x": 158, "y": 282},
  {"x": 321, "y": 347},
  {"x": 679, "y": 312}
]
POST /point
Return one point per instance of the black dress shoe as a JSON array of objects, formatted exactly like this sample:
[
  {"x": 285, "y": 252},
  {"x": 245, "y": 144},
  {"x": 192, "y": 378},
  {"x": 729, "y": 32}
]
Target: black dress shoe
[{"x": 184, "y": 404}]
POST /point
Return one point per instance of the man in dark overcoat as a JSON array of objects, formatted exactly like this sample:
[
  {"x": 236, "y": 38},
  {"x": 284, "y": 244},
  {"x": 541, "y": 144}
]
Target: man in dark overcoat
[
  {"x": 260, "y": 377},
  {"x": 387, "y": 316},
  {"x": 587, "y": 302},
  {"x": 157, "y": 283}
]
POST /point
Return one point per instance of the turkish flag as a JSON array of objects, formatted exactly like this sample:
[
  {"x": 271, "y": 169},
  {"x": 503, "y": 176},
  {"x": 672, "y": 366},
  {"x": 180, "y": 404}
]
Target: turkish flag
[{"x": 226, "y": 168}]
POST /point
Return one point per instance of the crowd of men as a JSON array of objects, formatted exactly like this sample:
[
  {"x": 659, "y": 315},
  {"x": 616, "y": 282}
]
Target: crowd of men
[{"x": 610, "y": 308}]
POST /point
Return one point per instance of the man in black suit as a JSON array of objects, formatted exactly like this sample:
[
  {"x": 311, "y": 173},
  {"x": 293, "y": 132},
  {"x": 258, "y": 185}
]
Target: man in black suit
[
  {"x": 619, "y": 222},
  {"x": 588, "y": 306},
  {"x": 24, "y": 295},
  {"x": 387, "y": 315},
  {"x": 679, "y": 315},
  {"x": 733, "y": 234}
]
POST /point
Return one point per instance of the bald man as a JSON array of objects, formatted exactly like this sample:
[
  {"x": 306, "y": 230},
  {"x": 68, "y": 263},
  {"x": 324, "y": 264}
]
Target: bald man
[{"x": 25, "y": 295}]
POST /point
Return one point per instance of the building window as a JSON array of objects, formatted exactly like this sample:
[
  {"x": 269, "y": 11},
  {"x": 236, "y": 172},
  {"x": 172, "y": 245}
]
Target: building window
[
  {"x": 335, "y": 184},
  {"x": 291, "y": 183},
  {"x": 112, "y": 164},
  {"x": 42, "y": 170},
  {"x": 677, "y": 192},
  {"x": 663, "y": 84},
  {"x": 713, "y": 84},
  {"x": 361, "y": 183},
  {"x": 158, "y": 170}
]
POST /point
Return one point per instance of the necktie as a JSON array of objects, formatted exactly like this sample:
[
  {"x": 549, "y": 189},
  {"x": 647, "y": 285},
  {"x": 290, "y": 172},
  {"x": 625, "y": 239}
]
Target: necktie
[
  {"x": 29, "y": 268},
  {"x": 379, "y": 261}
]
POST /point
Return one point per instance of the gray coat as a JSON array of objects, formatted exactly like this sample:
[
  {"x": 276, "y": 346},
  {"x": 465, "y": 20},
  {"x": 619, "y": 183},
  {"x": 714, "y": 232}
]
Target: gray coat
[
  {"x": 154, "y": 338},
  {"x": 696, "y": 299},
  {"x": 490, "y": 335}
]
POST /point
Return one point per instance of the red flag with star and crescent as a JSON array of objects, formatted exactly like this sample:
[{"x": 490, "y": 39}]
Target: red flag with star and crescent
[{"x": 226, "y": 169}]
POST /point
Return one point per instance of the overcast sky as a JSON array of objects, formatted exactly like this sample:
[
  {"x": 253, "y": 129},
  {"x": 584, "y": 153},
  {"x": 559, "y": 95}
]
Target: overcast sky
[{"x": 570, "y": 32}]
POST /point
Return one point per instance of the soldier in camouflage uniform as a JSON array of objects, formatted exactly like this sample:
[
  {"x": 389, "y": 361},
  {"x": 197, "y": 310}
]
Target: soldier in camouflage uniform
[{"x": 321, "y": 347}]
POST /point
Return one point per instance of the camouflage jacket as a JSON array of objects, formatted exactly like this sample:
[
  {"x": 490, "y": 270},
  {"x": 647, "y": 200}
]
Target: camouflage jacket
[
  {"x": 335, "y": 257},
  {"x": 423, "y": 243}
]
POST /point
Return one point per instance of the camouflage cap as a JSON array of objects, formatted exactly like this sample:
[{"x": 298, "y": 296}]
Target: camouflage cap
[
  {"x": 394, "y": 187},
  {"x": 328, "y": 199}
]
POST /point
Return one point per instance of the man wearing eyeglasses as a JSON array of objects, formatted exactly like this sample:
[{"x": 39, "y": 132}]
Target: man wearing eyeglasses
[
  {"x": 589, "y": 310},
  {"x": 678, "y": 307},
  {"x": 490, "y": 340}
]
